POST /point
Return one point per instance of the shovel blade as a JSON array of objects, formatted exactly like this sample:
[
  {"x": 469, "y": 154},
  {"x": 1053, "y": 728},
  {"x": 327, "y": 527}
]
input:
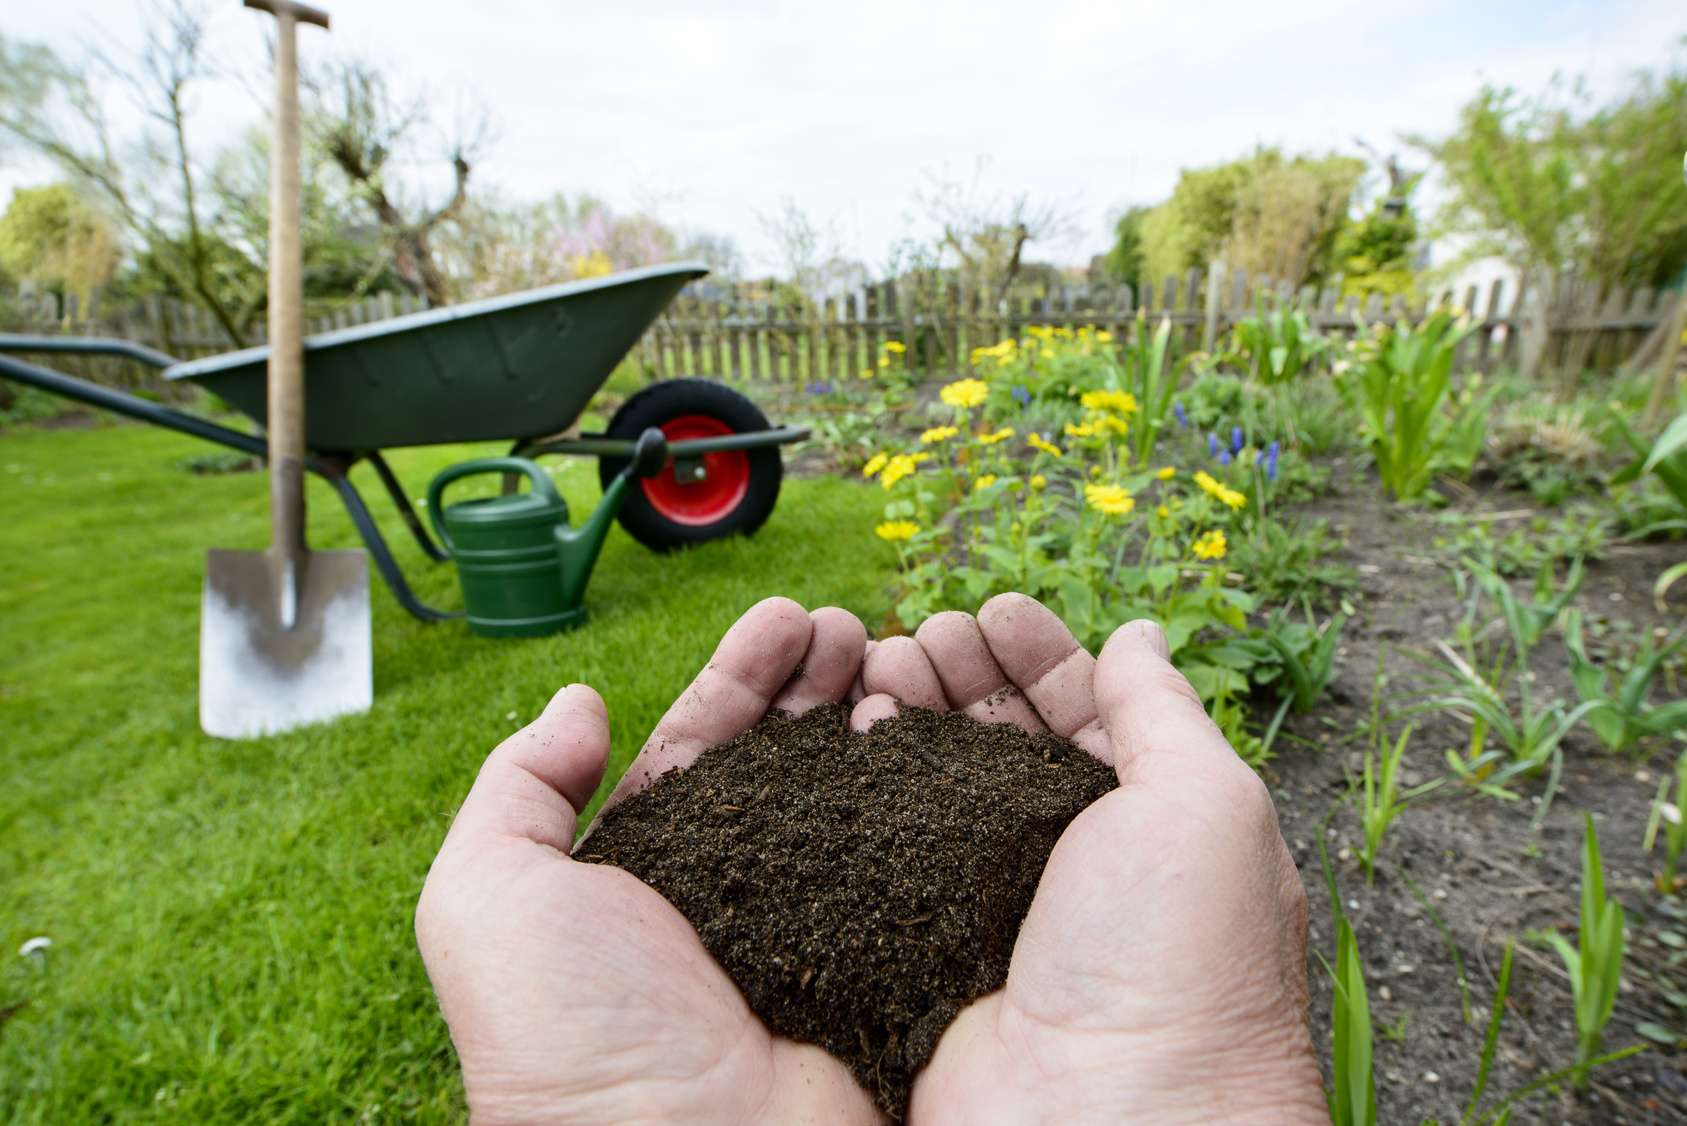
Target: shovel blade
[{"x": 261, "y": 675}]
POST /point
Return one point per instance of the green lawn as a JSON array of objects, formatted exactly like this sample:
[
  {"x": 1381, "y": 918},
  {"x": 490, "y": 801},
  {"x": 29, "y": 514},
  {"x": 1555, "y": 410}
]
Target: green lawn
[{"x": 230, "y": 922}]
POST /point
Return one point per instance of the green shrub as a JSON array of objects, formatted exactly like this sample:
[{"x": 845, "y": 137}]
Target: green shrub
[
  {"x": 1413, "y": 420},
  {"x": 1275, "y": 346}
]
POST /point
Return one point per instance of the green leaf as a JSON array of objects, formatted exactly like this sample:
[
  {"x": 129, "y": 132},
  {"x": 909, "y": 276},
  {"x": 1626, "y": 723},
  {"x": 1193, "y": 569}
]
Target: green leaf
[
  {"x": 1671, "y": 442},
  {"x": 1656, "y": 1033},
  {"x": 1161, "y": 576}
]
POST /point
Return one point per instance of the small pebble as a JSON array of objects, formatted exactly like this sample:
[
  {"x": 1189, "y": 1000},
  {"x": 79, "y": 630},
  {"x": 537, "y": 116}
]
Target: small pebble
[
  {"x": 1431, "y": 1077},
  {"x": 1385, "y": 993},
  {"x": 1404, "y": 968},
  {"x": 1345, "y": 854}
]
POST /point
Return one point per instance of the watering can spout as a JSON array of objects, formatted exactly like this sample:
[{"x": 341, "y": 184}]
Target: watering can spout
[{"x": 578, "y": 548}]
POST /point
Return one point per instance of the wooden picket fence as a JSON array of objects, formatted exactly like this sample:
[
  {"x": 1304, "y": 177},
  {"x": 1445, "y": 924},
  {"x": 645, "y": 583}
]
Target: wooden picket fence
[
  {"x": 742, "y": 333},
  {"x": 737, "y": 334}
]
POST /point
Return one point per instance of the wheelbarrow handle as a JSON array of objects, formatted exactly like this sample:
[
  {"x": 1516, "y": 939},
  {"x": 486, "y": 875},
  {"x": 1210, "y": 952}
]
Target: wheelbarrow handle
[
  {"x": 86, "y": 346},
  {"x": 134, "y": 406}
]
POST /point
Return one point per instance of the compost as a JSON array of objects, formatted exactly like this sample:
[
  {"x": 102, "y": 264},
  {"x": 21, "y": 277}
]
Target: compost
[{"x": 861, "y": 889}]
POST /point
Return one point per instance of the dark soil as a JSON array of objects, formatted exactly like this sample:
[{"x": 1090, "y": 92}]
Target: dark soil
[
  {"x": 861, "y": 889},
  {"x": 1476, "y": 861}
]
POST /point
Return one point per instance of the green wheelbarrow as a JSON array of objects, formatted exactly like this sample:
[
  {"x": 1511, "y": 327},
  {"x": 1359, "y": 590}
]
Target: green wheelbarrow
[{"x": 519, "y": 368}]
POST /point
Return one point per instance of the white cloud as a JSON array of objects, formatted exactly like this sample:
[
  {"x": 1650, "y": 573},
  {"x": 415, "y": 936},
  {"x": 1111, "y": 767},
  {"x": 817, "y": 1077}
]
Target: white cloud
[{"x": 718, "y": 113}]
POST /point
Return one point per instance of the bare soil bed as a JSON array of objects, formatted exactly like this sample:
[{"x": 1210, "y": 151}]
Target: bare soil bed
[{"x": 1475, "y": 859}]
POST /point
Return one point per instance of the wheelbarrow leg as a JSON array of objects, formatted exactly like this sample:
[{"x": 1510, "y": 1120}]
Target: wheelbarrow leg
[
  {"x": 377, "y": 545},
  {"x": 405, "y": 508}
]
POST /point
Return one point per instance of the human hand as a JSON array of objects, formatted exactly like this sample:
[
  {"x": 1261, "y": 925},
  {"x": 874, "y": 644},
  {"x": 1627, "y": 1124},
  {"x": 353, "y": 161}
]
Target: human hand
[
  {"x": 574, "y": 992},
  {"x": 1160, "y": 975}
]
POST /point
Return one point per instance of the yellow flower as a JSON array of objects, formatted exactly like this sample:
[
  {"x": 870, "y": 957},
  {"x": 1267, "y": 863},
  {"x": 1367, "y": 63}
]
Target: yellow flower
[
  {"x": 1218, "y": 491},
  {"x": 1166, "y": 472},
  {"x": 900, "y": 466},
  {"x": 984, "y": 482},
  {"x": 884, "y": 361},
  {"x": 1114, "y": 500},
  {"x": 938, "y": 434},
  {"x": 1210, "y": 546},
  {"x": 1163, "y": 512},
  {"x": 1120, "y": 402},
  {"x": 1039, "y": 442},
  {"x": 893, "y": 530},
  {"x": 965, "y": 393},
  {"x": 1038, "y": 481},
  {"x": 895, "y": 346},
  {"x": 874, "y": 464},
  {"x": 920, "y": 458},
  {"x": 1111, "y": 422},
  {"x": 994, "y": 436},
  {"x": 866, "y": 373},
  {"x": 1095, "y": 471},
  {"x": 1081, "y": 431},
  {"x": 1104, "y": 337}
]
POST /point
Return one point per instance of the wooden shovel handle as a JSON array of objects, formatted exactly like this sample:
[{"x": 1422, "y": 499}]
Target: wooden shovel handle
[{"x": 286, "y": 407}]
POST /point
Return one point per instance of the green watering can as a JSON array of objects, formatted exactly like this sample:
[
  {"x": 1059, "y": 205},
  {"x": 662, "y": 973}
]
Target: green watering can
[{"x": 522, "y": 568}]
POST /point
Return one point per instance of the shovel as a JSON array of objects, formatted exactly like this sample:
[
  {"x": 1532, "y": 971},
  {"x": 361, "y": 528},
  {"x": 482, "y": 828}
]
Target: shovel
[{"x": 284, "y": 633}]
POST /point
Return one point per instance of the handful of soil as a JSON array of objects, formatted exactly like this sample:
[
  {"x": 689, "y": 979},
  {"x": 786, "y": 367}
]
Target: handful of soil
[{"x": 861, "y": 889}]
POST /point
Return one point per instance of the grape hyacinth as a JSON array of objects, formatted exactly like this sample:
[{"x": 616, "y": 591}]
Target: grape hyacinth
[
  {"x": 1021, "y": 395},
  {"x": 1182, "y": 415},
  {"x": 1237, "y": 439}
]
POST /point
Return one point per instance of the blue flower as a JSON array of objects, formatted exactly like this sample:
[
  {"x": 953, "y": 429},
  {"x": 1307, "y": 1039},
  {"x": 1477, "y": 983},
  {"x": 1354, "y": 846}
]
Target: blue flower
[
  {"x": 1021, "y": 395},
  {"x": 1224, "y": 457},
  {"x": 1182, "y": 415},
  {"x": 1271, "y": 460},
  {"x": 1237, "y": 439},
  {"x": 1212, "y": 444},
  {"x": 819, "y": 388}
]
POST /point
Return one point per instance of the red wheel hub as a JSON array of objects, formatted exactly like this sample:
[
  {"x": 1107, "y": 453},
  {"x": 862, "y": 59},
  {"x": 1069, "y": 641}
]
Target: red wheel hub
[{"x": 726, "y": 476}]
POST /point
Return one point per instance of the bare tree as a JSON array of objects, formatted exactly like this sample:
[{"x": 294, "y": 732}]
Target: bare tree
[
  {"x": 364, "y": 123},
  {"x": 811, "y": 254},
  {"x": 152, "y": 184},
  {"x": 987, "y": 232}
]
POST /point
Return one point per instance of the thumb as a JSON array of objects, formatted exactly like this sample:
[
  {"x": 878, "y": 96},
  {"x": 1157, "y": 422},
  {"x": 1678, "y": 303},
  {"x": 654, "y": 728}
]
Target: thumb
[
  {"x": 1152, "y": 714},
  {"x": 534, "y": 785}
]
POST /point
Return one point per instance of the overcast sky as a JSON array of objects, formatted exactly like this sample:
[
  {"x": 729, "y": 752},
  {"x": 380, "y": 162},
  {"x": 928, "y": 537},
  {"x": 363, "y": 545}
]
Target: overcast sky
[{"x": 710, "y": 114}]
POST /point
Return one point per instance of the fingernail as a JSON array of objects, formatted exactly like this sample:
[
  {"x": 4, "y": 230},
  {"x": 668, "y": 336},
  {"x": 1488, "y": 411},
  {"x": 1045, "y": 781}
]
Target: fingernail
[{"x": 1151, "y": 633}]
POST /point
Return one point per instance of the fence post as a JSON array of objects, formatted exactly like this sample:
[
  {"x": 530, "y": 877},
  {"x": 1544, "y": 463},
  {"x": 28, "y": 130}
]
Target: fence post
[{"x": 1215, "y": 285}]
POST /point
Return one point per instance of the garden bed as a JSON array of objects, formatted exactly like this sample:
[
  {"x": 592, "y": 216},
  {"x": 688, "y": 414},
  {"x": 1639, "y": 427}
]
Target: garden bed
[
  {"x": 1356, "y": 545},
  {"x": 1488, "y": 876}
]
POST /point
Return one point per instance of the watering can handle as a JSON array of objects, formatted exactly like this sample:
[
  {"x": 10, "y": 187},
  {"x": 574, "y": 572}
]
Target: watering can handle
[{"x": 542, "y": 485}]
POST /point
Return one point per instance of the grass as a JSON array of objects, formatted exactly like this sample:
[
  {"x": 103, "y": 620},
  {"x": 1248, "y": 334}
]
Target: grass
[{"x": 231, "y": 922}]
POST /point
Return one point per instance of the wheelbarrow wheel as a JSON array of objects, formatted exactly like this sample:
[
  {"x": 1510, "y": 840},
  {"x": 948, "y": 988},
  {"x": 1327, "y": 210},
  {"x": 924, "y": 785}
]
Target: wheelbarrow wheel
[{"x": 736, "y": 490}]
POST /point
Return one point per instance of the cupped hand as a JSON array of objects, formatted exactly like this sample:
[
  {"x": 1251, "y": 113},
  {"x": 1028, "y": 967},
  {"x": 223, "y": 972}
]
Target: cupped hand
[
  {"x": 573, "y": 991},
  {"x": 1160, "y": 975}
]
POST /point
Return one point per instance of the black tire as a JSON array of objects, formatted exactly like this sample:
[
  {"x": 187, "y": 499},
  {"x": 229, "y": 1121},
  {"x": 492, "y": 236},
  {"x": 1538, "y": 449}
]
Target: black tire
[{"x": 661, "y": 403}]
